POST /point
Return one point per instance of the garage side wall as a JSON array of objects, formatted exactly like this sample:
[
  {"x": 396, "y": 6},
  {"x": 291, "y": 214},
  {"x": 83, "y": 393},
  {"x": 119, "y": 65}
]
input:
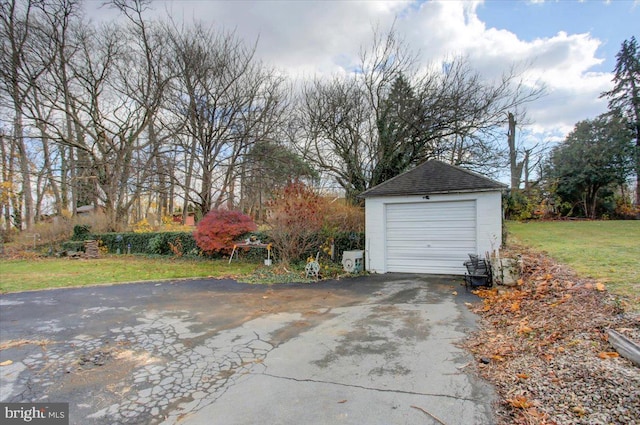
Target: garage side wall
[{"x": 488, "y": 225}]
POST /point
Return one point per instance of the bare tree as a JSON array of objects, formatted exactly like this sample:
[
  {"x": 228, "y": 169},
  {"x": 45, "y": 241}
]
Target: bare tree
[
  {"x": 385, "y": 118},
  {"x": 10, "y": 202},
  {"x": 107, "y": 88},
  {"x": 338, "y": 132},
  {"x": 16, "y": 77},
  {"x": 228, "y": 101},
  {"x": 515, "y": 165}
]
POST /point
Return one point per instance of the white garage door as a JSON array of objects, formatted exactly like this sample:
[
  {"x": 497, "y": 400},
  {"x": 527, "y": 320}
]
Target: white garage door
[{"x": 430, "y": 237}]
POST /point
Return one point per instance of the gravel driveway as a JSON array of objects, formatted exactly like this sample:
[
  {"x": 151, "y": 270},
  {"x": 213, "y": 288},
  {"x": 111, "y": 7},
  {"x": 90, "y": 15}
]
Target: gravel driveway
[{"x": 374, "y": 350}]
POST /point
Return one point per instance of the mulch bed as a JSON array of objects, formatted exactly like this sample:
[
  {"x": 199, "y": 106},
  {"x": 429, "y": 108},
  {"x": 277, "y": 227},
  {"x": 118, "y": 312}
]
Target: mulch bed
[{"x": 544, "y": 346}]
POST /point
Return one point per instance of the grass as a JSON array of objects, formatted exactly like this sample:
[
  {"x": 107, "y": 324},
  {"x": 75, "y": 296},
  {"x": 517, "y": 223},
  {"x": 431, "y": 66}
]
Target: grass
[
  {"x": 608, "y": 251},
  {"x": 43, "y": 273}
]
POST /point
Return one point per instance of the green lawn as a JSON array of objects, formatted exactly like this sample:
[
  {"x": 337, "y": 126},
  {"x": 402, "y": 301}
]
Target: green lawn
[
  {"x": 608, "y": 251},
  {"x": 42, "y": 273}
]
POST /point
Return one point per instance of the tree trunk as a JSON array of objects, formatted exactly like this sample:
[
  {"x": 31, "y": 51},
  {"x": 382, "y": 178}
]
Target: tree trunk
[
  {"x": 525, "y": 167},
  {"x": 516, "y": 167},
  {"x": 6, "y": 153},
  {"x": 187, "y": 182},
  {"x": 25, "y": 168},
  {"x": 638, "y": 171}
]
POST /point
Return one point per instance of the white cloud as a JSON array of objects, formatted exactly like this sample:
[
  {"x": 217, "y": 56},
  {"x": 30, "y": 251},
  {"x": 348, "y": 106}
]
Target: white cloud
[
  {"x": 310, "y": 37},
  {"x": 301, "y": 37}
]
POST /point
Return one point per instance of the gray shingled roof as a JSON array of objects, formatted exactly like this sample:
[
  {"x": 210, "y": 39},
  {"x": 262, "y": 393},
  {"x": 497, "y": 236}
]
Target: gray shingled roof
[{"x": 433, "y": 177}]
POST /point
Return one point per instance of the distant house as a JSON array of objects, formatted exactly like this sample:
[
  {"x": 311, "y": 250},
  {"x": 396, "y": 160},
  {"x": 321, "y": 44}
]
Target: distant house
[
  {"x": 190, "y": 220},
  {"x": 89, "y": 209},
  {"x": 430, "y": 218}
]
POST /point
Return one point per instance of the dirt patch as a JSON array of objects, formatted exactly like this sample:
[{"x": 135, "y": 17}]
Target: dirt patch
[
  {"x": 105, "y": 371},
  {"x": 230, "y": 310}
]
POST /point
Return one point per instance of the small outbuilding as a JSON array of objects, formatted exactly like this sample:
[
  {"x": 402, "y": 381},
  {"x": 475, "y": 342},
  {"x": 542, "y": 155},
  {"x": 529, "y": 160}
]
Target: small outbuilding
[{"x": 430, "y": 218}]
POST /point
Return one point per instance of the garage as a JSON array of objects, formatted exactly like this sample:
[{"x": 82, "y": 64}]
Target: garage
[
  {"x": 429, "y": 237},
  {"x": 430, "y": 218}
]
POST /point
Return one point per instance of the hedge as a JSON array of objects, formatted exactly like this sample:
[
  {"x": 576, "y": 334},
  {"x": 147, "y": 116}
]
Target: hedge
[
  {"x": 73, "y": 246},
  {"x": 347, "y": 241},
  {"x": 158, "y": 243}
]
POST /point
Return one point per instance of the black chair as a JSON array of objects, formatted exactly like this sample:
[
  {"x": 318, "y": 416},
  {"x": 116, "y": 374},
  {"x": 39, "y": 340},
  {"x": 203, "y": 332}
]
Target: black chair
[{"x": 478, "y": 272}]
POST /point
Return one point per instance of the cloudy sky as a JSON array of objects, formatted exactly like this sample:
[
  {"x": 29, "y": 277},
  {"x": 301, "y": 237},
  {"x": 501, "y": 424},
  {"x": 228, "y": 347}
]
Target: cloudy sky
[{"x": 570, "y": 46}]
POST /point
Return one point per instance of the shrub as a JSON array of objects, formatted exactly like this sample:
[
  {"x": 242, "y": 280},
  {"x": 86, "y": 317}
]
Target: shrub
[
  {"x": 296, "y": 222},
  {"x": 340, "y": 216},
  {"x": 217, "y": 231},
  {"x": 519, "y": 206},
  {"x": 348, "y": 241},
  {"x": 155, "y": 244},
  {"x": 142, "y": 226},
  {"x": 73, "y": 246},
  {"x": 343, "y": 226},
  {"x": 81, "y": 232},
  {"x": 8, "y": 235},
  {"x": 624, "y": 208},
  {"x": 150, "y": 243}
]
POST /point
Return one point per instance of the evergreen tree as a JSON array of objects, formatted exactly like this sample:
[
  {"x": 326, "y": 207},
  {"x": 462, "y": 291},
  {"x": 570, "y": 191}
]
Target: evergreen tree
[
  {"x": 595, "y": 156},
  {"x": 624, "y": 99},
  {"x": 399, "y": 131}
]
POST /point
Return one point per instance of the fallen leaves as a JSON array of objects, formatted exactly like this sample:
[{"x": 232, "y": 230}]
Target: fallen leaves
[
  {"x": 520, "y": 402},
  {"x": 6, "y": 363},
  {"x": 604, "y": 355},
  {"x": 579, "y": 410},
  {"x": 523, "y": 327},
  {"x": 550, "y": 316}
]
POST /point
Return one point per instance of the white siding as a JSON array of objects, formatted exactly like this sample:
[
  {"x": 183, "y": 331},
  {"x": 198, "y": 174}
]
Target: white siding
[{"x": 412, "y": 234}]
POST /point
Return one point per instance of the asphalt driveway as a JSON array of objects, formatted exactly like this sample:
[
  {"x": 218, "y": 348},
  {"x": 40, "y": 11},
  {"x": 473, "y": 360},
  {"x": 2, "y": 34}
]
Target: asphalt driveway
[{"x": 370, "y": 350}]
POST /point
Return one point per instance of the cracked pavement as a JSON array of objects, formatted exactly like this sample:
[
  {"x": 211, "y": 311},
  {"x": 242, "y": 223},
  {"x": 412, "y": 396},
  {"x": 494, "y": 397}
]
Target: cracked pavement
[{"x": 375, "y": 350}]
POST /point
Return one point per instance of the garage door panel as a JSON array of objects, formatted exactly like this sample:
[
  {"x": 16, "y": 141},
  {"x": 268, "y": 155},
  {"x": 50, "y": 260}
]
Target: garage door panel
[
  {"x": 450, "y": 216},
  {"x": 408, "y": 233},
  {"x": 430, "y": 226},
  {"x": 438, "y": 264},
  {"x": 393, "y": 248},
  {"x": 434, "y": 210},
  {"x": 430, "y": 237},
  {"x": 442, "y": 267},
  {"x": 428, "y": 254},
  {"x": 432, "y": 244}
]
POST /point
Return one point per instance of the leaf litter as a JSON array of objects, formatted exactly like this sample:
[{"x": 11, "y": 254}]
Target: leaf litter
[{"x": 543, "y": 344}]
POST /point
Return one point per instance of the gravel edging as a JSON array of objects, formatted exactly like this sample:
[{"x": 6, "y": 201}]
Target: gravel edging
[{"x": 543, "y": 344}]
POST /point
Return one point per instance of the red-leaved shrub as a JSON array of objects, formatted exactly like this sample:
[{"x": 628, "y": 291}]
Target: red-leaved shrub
[
  {"x": 296, "y": 219},
  {"x": 217, "y": 230}
]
